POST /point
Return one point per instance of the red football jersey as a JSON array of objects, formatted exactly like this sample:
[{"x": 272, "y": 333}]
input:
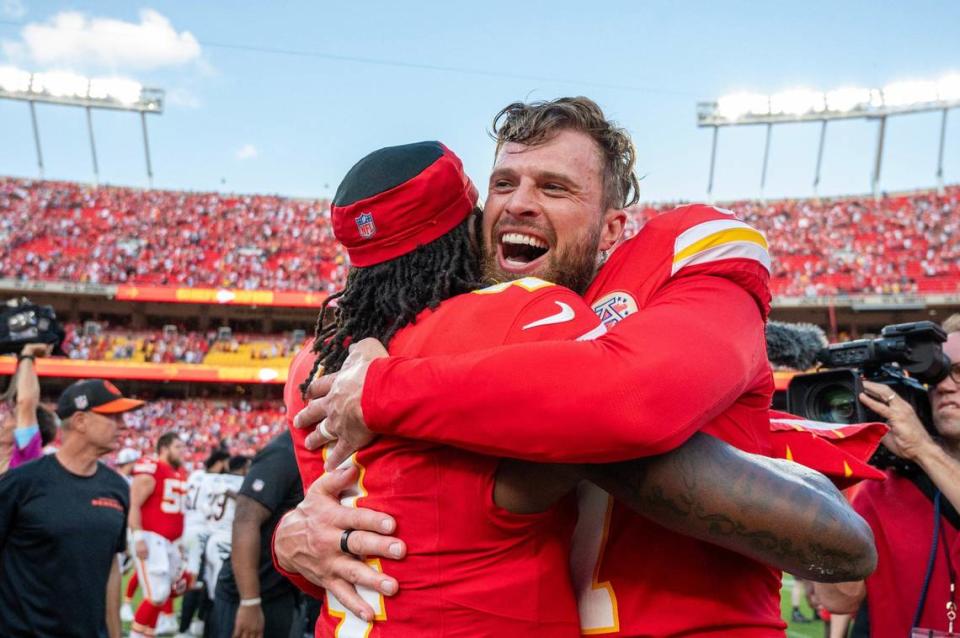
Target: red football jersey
[
  {"x": 685, "y": 299},
  {"x": 162, "y": 512},
  {"x": 472, "y": 568},
  {"x": 900, "y": 516},
  {"x": 657, "y": 582}
]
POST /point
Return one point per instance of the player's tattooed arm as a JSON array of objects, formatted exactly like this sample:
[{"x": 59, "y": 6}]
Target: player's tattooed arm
[{"x": 772, "y": 510}]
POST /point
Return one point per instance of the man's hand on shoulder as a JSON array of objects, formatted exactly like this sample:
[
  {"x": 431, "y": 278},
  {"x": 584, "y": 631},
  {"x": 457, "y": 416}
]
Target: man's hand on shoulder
[
  {"x": 334, "y": 406},
  {"x": 307, "y": 543}
]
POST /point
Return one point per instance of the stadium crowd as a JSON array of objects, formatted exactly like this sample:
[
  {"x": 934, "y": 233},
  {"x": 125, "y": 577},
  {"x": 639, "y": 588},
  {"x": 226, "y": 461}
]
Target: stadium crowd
[
  {"x": 242, "y": 427},
  {"x": 74, "y": 232},
  {"x": 898, "y": 244},
  {"x": 173, "y": 346}
]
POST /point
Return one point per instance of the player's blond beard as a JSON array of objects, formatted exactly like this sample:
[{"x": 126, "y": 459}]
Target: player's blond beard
[{"x": 573, "y": 269}]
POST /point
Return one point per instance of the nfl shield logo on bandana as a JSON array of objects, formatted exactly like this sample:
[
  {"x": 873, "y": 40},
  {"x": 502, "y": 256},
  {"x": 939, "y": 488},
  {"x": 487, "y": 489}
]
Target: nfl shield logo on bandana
[{"x": 365, "y": 225}]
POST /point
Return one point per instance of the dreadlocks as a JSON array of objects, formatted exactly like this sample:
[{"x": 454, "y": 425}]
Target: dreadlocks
[{"x": 380, "y": 300}]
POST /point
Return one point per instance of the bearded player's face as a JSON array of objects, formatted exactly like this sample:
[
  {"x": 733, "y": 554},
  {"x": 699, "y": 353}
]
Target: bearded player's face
[
  {"x": 175, "y": 453},
  {"x": 544, "y": 215}
]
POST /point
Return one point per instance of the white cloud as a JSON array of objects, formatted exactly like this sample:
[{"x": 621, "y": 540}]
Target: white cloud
[
  {"x": 12, "y": 9},
  {"x": 183, "y": 98},
  {"x": 71, "y": 39},
  {"x": 247, "y": 151}
]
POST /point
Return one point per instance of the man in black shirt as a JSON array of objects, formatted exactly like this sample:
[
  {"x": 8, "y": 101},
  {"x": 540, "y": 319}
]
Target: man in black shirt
[
  {"x": 63, "y": 519},
  {"x": 252, "y": 599}
]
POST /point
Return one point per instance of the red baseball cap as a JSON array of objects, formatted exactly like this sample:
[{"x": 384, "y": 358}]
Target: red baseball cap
[{"x": 399, "y": 198}]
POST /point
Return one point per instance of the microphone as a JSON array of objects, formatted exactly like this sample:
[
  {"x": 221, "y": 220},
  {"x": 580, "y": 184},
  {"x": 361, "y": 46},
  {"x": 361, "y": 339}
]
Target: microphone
[{"x": 794, "y": 345}]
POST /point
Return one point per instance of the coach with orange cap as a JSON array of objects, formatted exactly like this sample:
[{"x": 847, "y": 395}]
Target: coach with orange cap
[{"x": 62, "y": 522}]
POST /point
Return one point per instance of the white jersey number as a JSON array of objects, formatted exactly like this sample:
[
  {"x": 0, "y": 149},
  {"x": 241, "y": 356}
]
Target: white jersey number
[
  {"x": 351, "y": 626},
  {"x": 172, "y": 502},
  {"x": 596, "y": 600}
]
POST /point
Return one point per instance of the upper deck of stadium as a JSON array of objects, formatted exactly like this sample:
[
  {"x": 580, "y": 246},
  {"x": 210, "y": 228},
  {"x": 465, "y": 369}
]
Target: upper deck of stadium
[{"x": 77, "y": 233}]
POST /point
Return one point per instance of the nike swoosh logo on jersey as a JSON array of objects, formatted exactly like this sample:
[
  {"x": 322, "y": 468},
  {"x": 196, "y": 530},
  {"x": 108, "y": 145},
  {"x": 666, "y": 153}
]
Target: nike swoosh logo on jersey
[{"x": 566, "y": 314}]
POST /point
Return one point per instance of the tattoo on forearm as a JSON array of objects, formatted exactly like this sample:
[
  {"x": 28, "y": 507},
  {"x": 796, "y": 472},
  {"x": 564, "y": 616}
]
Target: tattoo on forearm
[{"x": 732, "y": 503}]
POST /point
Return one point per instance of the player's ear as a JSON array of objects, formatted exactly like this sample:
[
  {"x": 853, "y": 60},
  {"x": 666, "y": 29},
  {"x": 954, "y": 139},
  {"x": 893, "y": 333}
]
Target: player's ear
[
  {"x": 475, "y": 229},
  {"x": 611, "y": 230}
]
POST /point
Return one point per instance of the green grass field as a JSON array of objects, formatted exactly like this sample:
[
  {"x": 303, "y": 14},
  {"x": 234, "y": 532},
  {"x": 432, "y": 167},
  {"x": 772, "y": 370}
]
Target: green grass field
[
  {"x": 814, "y": 629},
  {"x": 137, "y": 597}
]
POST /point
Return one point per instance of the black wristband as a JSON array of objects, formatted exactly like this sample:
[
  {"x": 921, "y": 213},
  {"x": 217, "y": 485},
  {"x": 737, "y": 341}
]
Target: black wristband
[{"x": 21, "y": 357}]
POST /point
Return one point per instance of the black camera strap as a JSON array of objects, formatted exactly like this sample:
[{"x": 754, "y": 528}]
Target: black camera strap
[
  {"x": 925, "y": 485},
  {"x": 939, "y": 539}
]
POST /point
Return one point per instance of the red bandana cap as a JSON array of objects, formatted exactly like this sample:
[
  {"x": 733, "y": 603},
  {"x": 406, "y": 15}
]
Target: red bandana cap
[{"x": 399, "y": 198}]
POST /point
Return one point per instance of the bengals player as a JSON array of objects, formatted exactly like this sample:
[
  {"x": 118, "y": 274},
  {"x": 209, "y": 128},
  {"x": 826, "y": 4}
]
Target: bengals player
[
  {"x": 218, "y": 507},
  {"x": 156, "y": 524}
]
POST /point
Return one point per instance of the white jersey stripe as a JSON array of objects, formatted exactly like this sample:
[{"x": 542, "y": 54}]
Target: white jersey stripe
[
  {"x": 731, "y": 250},
  {"x": 694, "y": 234}
]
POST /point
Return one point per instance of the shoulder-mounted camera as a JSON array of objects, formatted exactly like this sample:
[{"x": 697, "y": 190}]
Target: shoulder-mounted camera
[
  {"x": 23, "y": 322},
  {"x": 905, "y": 357}
]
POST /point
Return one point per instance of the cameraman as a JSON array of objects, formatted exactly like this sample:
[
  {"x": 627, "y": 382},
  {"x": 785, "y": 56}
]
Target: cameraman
[
  {"x": 916, "y": 577},
  {"x": 25, "y": 432}
]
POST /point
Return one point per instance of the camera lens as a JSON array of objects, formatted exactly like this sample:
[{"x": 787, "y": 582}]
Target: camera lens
[{"x": 833, "y": 403}]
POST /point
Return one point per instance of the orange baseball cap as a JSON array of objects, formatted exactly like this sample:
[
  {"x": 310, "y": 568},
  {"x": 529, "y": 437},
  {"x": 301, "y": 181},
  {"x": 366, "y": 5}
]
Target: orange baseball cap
[{"x": 94, "y": 395}]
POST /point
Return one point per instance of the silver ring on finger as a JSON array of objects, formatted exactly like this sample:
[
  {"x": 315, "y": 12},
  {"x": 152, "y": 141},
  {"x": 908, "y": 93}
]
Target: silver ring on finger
[
  {"x": 345, "y": 542},
  {"x": 890, "y": 398}
]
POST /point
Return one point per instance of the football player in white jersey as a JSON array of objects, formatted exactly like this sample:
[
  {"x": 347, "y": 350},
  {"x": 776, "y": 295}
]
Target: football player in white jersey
[
  {"x": 195, "y": 534},
  {"x": 219, "y": 505}
]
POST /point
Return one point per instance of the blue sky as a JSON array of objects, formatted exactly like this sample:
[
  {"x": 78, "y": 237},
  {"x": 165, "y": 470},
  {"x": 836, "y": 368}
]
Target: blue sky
[{"x": 255, "y": 121}]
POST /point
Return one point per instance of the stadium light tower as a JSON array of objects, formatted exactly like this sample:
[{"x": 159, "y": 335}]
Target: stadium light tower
[
  {"x": 804, "y": 105},
  {"x": 69, "y": 89}
]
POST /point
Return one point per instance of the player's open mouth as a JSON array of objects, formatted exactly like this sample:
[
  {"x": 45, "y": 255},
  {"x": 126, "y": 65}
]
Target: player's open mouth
[{"x": 521, "y": 252}]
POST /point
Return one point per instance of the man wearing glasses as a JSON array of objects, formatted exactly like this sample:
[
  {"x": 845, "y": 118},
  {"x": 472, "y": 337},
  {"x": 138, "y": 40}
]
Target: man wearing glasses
[{"x": 914, "y": 585}]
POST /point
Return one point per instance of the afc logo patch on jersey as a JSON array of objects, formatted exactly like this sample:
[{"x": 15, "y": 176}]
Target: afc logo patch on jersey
[
  {"x": 613, "y": 307},
  {"x": 365, "y": 225}
]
